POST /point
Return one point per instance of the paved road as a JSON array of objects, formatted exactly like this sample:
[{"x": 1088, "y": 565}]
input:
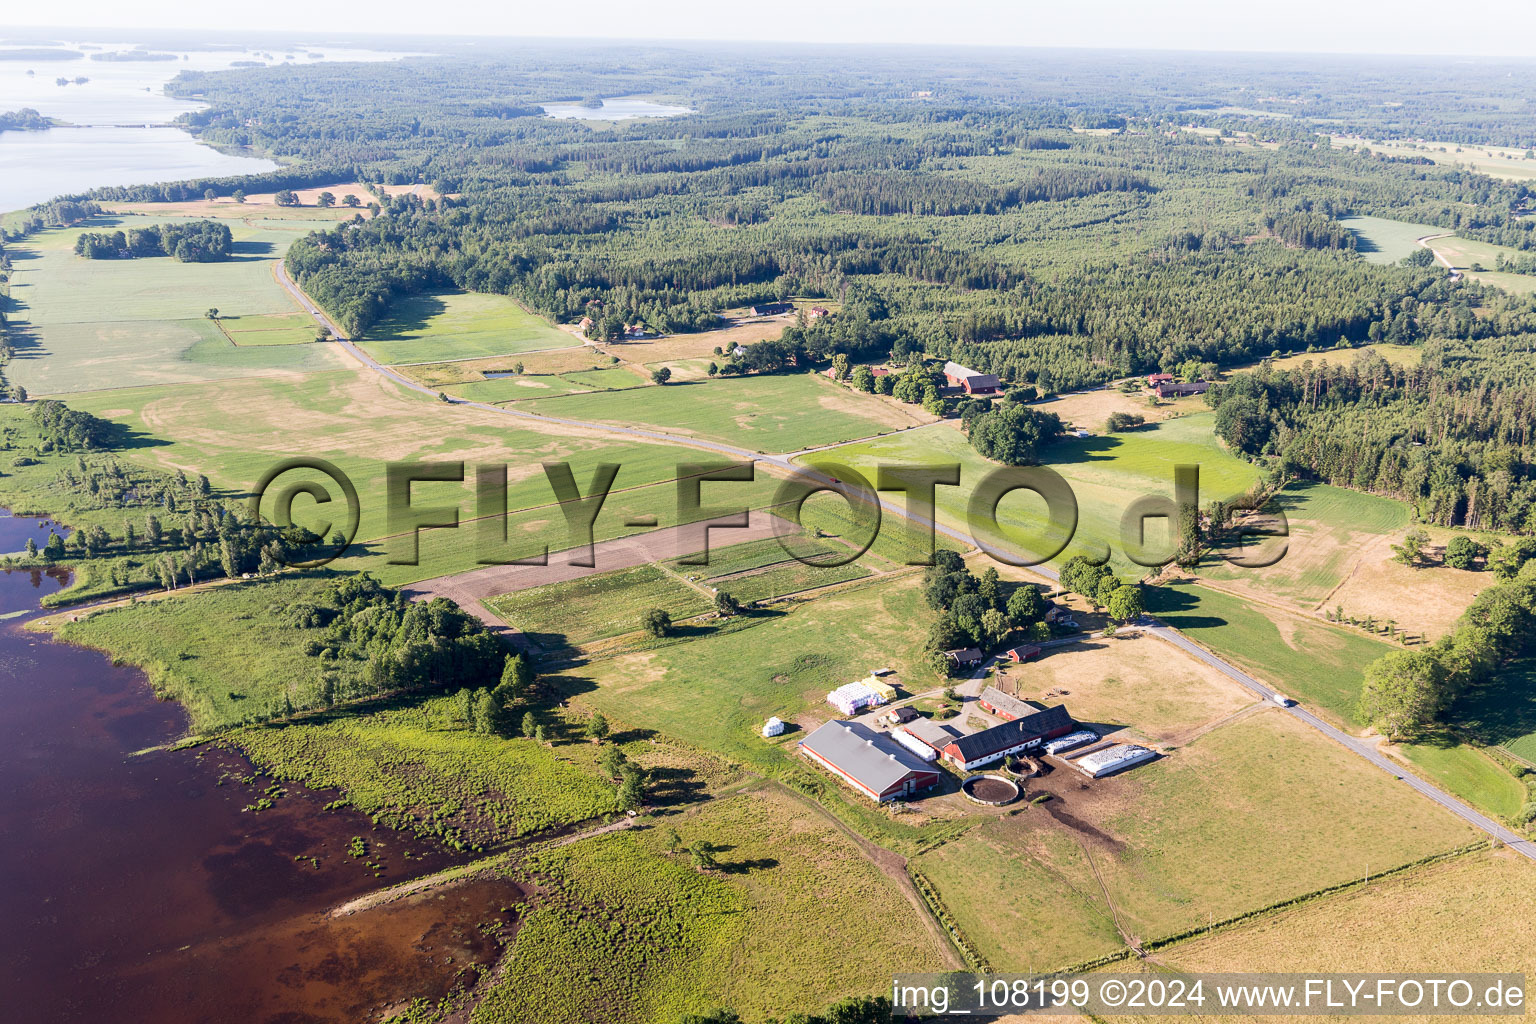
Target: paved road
[{"x": 1356, "y": 746}]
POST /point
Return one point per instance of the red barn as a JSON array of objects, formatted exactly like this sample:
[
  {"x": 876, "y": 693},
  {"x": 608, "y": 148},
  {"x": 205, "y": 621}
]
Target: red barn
[{"x": 971, "y": 382}]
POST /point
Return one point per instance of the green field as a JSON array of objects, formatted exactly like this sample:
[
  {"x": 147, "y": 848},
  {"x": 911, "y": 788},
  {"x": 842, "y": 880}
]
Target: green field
[
  {"x": 275, "y": 329},
  {"x": 1317, "y": 664},
  {"x": 1381, "y": 240},
  {"x": 1327, "y": 528},
  {"x": 459, "y": 325},
  {"x": 599, "y": 606},
  {"x": 709, "y": 693},
  {"x": 224, "y": 655},
  {"x": 1250, "y": 814},
  {"x": 84, "y": 325},
  {"x": 1464, "y": 252},
  {"x": 1321, "y": 666},
  {"x": 1106, "y": 473},
  {"x": 626, "y": 931},
  {"x": 234, "y": 431},
  {"x": 763, "y": 569},
  {"x": 1461, "y": 770},
  {"x": 769, "y": 413}
]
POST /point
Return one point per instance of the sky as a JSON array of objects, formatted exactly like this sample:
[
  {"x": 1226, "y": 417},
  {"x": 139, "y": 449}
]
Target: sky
[{"x": 1490, "y": 27}]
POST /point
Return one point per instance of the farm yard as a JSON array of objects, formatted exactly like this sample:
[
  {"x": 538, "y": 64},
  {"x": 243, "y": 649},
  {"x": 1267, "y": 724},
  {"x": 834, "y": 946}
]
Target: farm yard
[
  {"x": 1254, "y": 812},
  {"x": 459, "y": 325}
]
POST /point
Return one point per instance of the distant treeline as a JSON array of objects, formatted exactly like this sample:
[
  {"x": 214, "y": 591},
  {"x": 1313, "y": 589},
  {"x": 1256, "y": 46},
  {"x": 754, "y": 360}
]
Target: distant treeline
[
  {"x": 24, "y": 120},
  {"x": 201, "y": 241}
]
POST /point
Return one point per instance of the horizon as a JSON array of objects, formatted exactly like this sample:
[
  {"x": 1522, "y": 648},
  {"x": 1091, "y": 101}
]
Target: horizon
[{"x": 1371, "y": 29}]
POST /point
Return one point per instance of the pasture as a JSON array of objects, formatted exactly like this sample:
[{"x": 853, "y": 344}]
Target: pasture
[
  {"x": 85, "y": 325},
  {"x": 1381, "y": 240},
  {"x": 705, "y": 692},
  {"x": 1466, "y": 254},
  {"x": 1474, "y": 911},
  {"x": 770, "y": 413},
  {"x": 269, "y": 329},
  {"x": 458, "y": 325},
  {"x": 1332, "y": 532},
  {"x": 1495, "y": 161},
  {"x": 629, "y": 931},
  {"x": 1397, "y": 355},
  {"x": 1255, "y": 812},
  {"x": 1106, "y": 474},
  {"x": 234, "y": 431},
  {"x": 1316, "y": 663},
  {"x": 597, "y": 607}
]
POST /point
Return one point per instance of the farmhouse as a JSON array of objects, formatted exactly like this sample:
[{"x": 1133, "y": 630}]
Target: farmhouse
[
  {"x": 964, "y": 656},
  {"x": 902, "y": 715},
  {"x": 634, "y": 331},
  {"x": 971, "y": 382},
  {"x": 1154, "y": 379},
  {"x": 773, "y": 308},
  {"x": 869, "y": 762},
  {"x": 988, "y": 745},
  {"x": 1022, "y": 653},
  {"x": 583, "y": 324},
  {"x": 817, "y": 312},
  {"x": 1003, "y": 706},
  {"x": 1178, "y": 389}
]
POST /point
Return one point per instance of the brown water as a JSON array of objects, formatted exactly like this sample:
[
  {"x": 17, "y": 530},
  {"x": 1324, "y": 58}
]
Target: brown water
[{"x": 137, "y": 888}]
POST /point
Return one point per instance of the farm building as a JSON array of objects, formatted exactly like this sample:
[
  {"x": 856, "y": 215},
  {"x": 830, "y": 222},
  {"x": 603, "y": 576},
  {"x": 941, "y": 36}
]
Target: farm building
[
  {"x": 817, "y": 312},
  {"x": 773, "y": 308},
  {"x": 876, "y": 766},
  {"x": 935, "y": 734},
  {"x": 902, "y": 715},
  {"x": 964, "y": 656},
  {"x": 1003, "y": 706},
  {"x": 851, "y": 698},
  {"x": 988, "y": 745},
  {"x": 1070, "y": 741},
  {"x": 971, "y": 382},
  {"x": 922, "y": 751},
  {"x": 773, "y": 727},
  {"x": 1154, "y": 379},
  {"x": 1112, "y": 759},
  {"x": 584, "y": 323},
  {"x": 1057, "y": 613},
  {"x": 635, "y": 331},
  {"x": 1178, "y": 389},
  {"x": 1022, "y": 653}
]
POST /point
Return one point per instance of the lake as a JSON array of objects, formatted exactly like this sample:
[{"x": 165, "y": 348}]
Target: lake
[
  {"x": 139, "y": 889},
  {"x": 614, "y": 108},
  {"x": 108, "y": 143}
]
